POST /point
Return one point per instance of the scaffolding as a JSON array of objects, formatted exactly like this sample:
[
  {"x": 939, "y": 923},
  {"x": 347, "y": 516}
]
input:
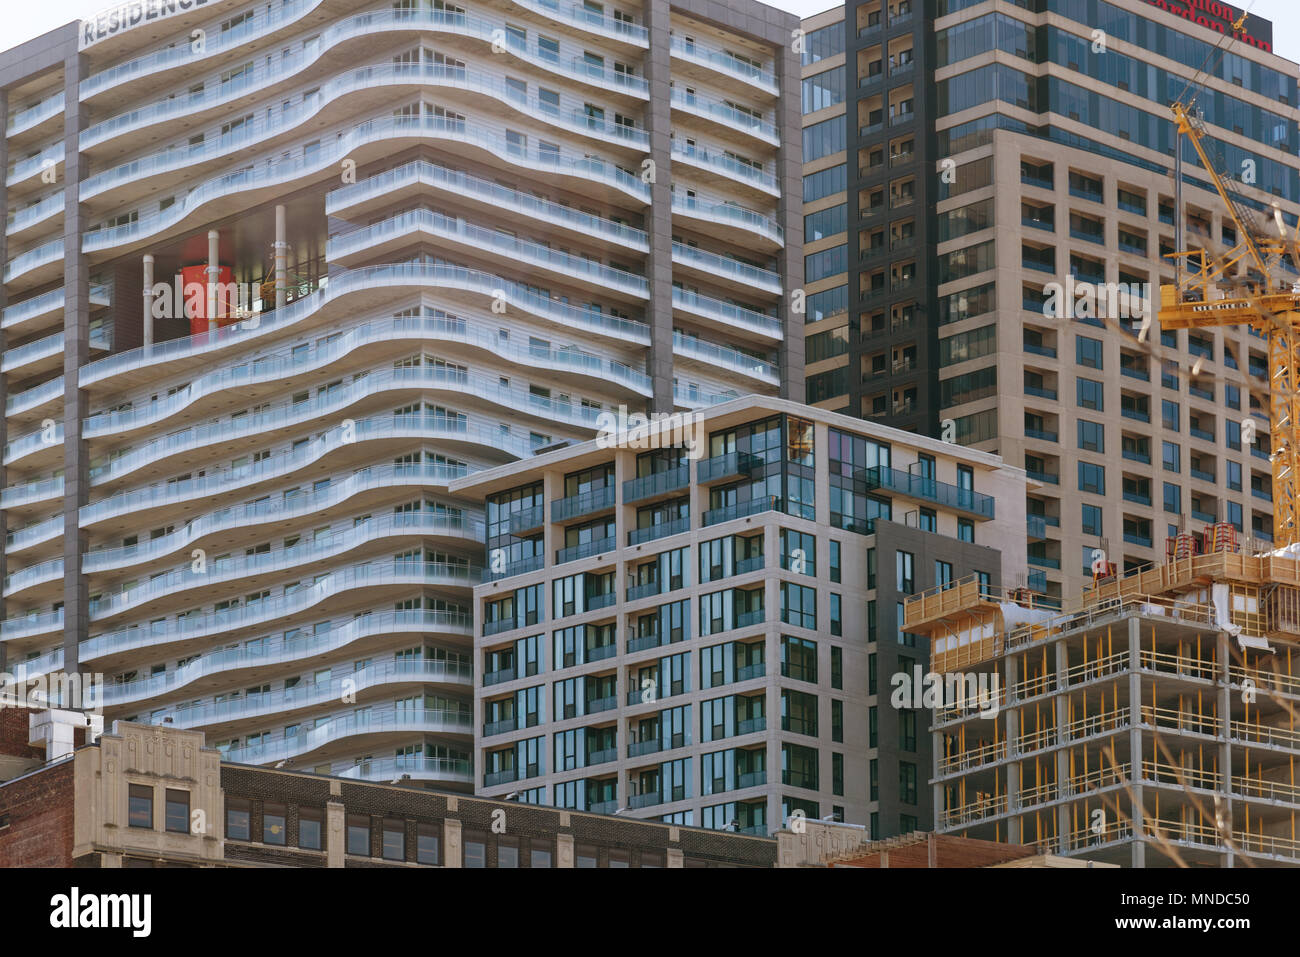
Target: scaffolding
[{"x": 1155, "y": 722}]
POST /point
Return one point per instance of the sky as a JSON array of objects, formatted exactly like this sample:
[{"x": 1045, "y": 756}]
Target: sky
[{"x": 25, "y": 20}]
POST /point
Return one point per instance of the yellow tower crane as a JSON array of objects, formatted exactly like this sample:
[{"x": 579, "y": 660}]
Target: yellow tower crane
[{"x": 1208, "y": 292}]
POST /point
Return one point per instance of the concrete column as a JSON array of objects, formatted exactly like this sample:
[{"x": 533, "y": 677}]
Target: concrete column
[
  {"x": 676, "y": 858},
  {"x": 1137, "y": 805},
  {"x": 1223, "y": 790},
  {"x": 1011, "y": 725},
  {"x": 564, "y": 856},
  {"x": 281, "y": 259},
  {"x": 789, "y": 178},
  {"x": 1062, "y": 749},
  {"x": 214, "y": 276},
  {"x": 4, "y": 385},
  {"x": 76, "y": 353},
  {"x": 659, "y": 214},
  {"x": 335, "y": 834},
  {"x": 453, "y": 848},
  {"x": 148, "y": 300}
]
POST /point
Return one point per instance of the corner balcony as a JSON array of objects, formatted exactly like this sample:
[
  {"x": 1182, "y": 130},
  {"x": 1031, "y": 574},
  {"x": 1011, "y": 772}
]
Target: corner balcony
[
  {"x": 726, "y": 468},
  {"x": 927, "y": 489},
  {"x": 652, "y": 533},
  {"x": 754, "y": 506}
]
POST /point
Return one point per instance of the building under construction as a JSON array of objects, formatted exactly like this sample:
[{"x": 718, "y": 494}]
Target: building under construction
[{"x": 1151, "y": 723}]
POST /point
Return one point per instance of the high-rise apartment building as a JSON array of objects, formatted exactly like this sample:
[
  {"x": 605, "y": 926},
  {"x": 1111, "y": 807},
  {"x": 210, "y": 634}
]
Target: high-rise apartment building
[
  {"x": 701, "y": 622},
  {"x": 1048, "y": 157},
  {"x": 276, "y": 272}
]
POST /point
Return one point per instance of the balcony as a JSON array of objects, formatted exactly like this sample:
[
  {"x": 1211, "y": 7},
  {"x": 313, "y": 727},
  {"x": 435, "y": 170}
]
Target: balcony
[
  {"x": 1137, "y": 498},
  {"x": 767, "y": 503},
  {"x": 1206, "y": 517},
  {"x": 648, "y": 799},
  {"x": 585, "y": 550},
  {"x": 751, "y": 725},
  {"x": 597, "y": 602},
  {"x": 530, "y": 564},
  {"x": 1202, "y": 475},
  {"x": 751, "y": 671},
  {"x": 498, "y": 626},
  {"x": 662, "y": 530},
  {"x": 637, "y": 592},
  {"x": 597, "y": 705},
  {"x": 1047, "y": 477},
  {"x": 637, "y": 748},
  {"x": 749, "y": 619},
  {"x": 1031, "y": 178},
  {"x": 527, "y": 520},
  {"x": 1042, "y": 435},
  {"x": 493, "y": 778},
  {"x": 500, "y": 727},
  {"x": 661, "y": 483},
  {"x": 1040, "y": 392},
  {"x": 1142, "y": 457},
  {"x": 1042, "y": 561},
  {"x": 584, "y": 504},
  {"x": 1143, "y": 541},
  {"x": 927, "y": 489},
  {"x": 746, "y": 565},
  {"x": 1038, "y": 350},
  {"x": 1200, "y": 434},
  {"x": 642, "y": 642},
  {"x": 722, "y": 468},
  {"x": 1036, "y": 526},
  {"x": 1136, "y": 414},
  {"x": 499, "y": 676}
]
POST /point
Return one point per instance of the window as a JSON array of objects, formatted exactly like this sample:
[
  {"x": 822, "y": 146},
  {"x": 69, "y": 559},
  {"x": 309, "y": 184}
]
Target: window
[
  {"x": 140, "y": 806},
  {"x": 1092, "y": 478},
  {"x": 1169, "y": 414},
  {"x": 907, "y": 783},
  {"x": 942, "y": 573},
  {"x": 965, "y": 530},
  {"x": 837, "y": 668},
  {"x": 1234, "y": 476},
  {"x": 837, "y": 626},
  {"x": 1088, "y": 351},
  {"x": 1173, "y": 499},
  {"x": 273, "y": 824},
  {"x": 539, "y": 856},
  {"x": 475, "y": 849},
  {"x": 238, "y": 819},
  {"x": 394, "y": 847},
  {"x": 799, "y": 605},
  {"x": 1091, "y": 520},
  {"x": 584, "y": 856},
  {"x": 428, "y": 841},
  {"x": 1092, "y": 436},
  {"x": 1170, "y": 457},
  {"x": 177, "y": 811},
  {"x": 309, "y": 828},
  {"x": 837, "y": 721},
  {"x": 1090, "y": 394},
  {"x": 507, "y": 852},
  {"x": 359, "y": 835},
  {"x": 905, "y": 572},
  {"x": 835, "y": 561}
]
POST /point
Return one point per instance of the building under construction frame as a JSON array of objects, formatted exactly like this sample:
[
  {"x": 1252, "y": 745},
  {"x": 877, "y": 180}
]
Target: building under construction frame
[{"x": 1153, "y": 723}]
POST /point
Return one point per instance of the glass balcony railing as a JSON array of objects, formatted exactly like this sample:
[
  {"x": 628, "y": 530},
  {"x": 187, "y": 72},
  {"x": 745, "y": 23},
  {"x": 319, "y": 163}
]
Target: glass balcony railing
[
  {"x": 417, "y": 767},
  {"x": 720, "y": 162},
  {"x": 732, "y": 465},
  {"x": 658, "y": 530},
  {"x": 366, "y": 279},
  {"x": 373, "y": 721},
  {"x": 754, "y": 506},
  {"x": 928, "y": 489},
  {"x": 660, "y": 483},
  {"x": 586, "y": 503},
  {"x": 722, "y": 61},
  {"x": 729, "y": 212},
  {"x": 585, "y": 550}
]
